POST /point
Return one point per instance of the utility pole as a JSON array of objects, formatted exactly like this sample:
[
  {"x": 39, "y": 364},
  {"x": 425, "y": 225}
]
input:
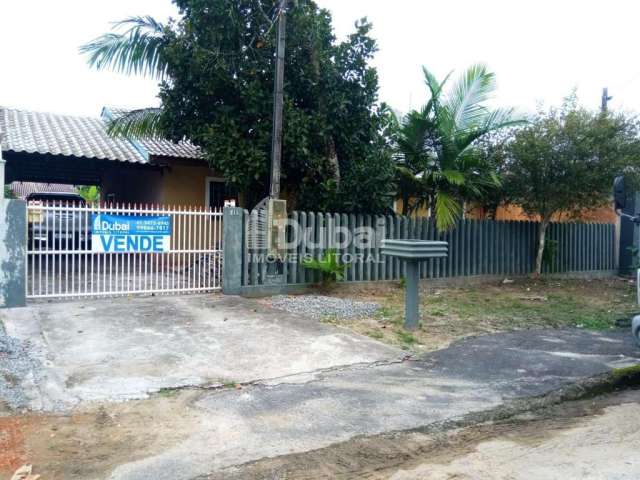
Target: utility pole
[
  {"x": 278, "y": 101},
  {"x": 605, "y": 99}
]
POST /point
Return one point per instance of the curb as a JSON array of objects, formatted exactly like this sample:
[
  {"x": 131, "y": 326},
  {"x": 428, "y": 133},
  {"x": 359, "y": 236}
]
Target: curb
[{"x": 615, "y": 380}]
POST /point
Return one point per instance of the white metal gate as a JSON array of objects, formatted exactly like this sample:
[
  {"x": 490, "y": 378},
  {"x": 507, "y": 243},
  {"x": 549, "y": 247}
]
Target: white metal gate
[{"x": 61, "y": 262}]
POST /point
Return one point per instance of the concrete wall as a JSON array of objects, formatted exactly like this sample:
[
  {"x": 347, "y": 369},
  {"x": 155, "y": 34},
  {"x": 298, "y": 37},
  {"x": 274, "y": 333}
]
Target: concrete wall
[{"x": 13, "y": 244}]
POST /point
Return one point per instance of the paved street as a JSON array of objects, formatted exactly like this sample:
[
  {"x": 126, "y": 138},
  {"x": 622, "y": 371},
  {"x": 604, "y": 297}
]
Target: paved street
[
  {"x": 216, "y": 382},
  {"x": 591, "y": 439},
  {"x": 313, "y": 411}
]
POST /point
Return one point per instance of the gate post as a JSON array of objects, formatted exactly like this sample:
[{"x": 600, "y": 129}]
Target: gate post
[
  {"x": 13, "y": 252},
  {"x": 233, "y": 249}
]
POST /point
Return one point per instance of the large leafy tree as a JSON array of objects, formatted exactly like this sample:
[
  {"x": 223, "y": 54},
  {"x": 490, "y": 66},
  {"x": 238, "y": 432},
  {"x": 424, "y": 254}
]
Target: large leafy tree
[
  {"x": 494, "y": 152},
  {"x": 565, "y": 160},
  {"x": 216, "y": 66},
  {"x": 442, "y": 166}
]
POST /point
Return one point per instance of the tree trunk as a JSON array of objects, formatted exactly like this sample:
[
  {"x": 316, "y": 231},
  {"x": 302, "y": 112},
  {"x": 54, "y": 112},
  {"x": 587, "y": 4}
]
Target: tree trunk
[
  {"x": 542, "y": 231},
  {"x": 333, "y": 159}
]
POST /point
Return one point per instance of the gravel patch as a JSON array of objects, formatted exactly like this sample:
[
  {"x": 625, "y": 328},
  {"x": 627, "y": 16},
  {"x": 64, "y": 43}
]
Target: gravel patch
[
  {"x": 16, "y": 364},
  {"x": 317, "y": 306}
]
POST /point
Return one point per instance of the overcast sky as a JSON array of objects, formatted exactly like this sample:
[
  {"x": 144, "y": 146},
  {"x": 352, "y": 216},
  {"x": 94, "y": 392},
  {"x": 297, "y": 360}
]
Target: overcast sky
[{"x": 539, "y": 49}]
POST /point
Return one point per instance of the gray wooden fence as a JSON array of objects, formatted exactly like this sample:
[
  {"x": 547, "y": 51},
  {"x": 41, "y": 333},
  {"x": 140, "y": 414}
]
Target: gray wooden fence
[{"x": 476, "y": 247}]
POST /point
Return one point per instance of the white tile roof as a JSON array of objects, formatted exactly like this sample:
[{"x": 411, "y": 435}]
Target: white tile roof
[
  {"x": 159, "y": 146},
  {"x": 47, "y": 133},
  {"x": 23, "y": 189},
  {"x": 166, "y": 148}
]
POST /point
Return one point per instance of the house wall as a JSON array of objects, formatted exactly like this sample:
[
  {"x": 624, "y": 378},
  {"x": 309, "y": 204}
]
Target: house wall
[
  {"x": 177, "y": 183},
  {"x": 130, "y": 185},
  {"x": 184, "y": 185},
  {"x": 420, "y": 212},
  {"x": 515, "y": 212}
]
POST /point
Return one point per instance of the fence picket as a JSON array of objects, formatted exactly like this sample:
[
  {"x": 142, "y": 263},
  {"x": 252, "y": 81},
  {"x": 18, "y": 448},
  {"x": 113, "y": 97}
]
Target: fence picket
[{"x": 476, "y": 247}]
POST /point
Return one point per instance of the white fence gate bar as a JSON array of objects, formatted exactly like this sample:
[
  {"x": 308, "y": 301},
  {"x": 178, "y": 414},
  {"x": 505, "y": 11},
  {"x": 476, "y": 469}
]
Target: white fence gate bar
[{"x": 63, "y": 262}]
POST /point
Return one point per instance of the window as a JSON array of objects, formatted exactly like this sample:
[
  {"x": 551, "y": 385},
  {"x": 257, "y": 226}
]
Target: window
[{"x": 218, "y": 192}]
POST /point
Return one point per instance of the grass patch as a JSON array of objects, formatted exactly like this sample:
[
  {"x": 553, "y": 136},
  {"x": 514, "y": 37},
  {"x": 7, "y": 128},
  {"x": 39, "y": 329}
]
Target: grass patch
[
  {"x": 626, "y": 372},
  {"x": 377, "y": 334},
  {"x": 168, "y": 392},
  {"x": 406, "y": 337},
  {"x": 449, "y": 313}
]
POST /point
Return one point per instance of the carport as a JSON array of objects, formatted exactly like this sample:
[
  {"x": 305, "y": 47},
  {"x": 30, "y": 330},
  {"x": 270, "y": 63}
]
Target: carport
[
  {"x": 156, "y": 179},
  {"x": 48, "y": 148}
]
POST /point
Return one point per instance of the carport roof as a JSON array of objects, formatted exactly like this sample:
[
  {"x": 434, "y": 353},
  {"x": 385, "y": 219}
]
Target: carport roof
[
  {"x": 83, "y": 137},
  {"x": 48, "y": 133}
]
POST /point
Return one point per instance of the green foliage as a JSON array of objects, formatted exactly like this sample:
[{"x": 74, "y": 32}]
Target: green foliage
[
  {"x": 216, "y": 63},
  {"x": 137, "y": 123},
  {"x": 137, "y": 49},
  {"x": 565, "y": 161},
  {"x": 377, "y": 334},
  {"x": 329, "y": 265},
  {"x": 90, "y": 193},
  {"x": 442, "y": 165},
  {"x": 406, "y": 337},
  {"x": 635, "y": 257},
  {"x": 8, "y": 193},
  {"x": 493, "y": 150}
]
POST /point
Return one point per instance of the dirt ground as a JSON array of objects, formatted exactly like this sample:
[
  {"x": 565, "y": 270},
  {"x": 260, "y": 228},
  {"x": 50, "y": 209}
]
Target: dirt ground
[
  {"x": 589, "y": 439},
  {"x": 598, "y": 438},
  {"x": 90, "y": 444},
  {"x": 450, "y": 312}
]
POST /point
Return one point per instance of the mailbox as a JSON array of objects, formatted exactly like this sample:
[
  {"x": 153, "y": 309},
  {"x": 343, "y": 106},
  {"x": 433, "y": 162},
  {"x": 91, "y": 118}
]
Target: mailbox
[{"x": 411, "y": 252}]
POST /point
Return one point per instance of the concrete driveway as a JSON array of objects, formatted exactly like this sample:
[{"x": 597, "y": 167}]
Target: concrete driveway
[{"x": 125, "y": 348}]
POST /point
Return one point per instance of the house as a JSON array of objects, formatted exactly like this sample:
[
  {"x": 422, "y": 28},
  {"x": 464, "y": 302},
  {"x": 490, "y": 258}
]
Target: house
[
  {"x": 76, "y": 150},
  {"x": 515, "y": 212}
]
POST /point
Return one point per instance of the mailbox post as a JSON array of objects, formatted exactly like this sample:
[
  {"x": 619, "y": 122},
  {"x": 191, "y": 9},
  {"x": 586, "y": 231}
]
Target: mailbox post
[{"x": 412, "y": 252}]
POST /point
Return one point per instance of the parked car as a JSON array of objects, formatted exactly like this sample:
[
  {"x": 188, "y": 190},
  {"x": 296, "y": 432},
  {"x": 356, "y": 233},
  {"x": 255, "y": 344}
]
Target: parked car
[{"x": 58, "y": 221}]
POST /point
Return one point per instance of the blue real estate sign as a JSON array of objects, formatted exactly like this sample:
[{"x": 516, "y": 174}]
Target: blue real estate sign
[{"x": 130, "y": 234}]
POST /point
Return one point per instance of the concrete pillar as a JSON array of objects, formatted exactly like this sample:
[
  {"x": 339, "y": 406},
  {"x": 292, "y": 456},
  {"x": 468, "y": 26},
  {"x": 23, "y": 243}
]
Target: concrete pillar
[
  {"x": 13, "y": 252},
  {"x": 233, "y": 250},
  {"x": 412, "y": 303},
  {"x": 2, "y": 165}
]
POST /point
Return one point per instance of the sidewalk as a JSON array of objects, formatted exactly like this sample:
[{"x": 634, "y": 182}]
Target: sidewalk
[{"x": 311, "y": 411}]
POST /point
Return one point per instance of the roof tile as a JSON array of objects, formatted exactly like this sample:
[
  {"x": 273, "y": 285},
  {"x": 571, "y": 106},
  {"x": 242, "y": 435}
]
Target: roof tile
[
  {"x": 159, "y": 146},
  {"x": 47, "y": 133}
]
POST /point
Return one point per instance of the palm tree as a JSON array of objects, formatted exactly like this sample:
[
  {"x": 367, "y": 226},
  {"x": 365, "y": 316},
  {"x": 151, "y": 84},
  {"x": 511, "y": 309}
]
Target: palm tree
[
  {"x": 135, "y": 46},
  {"x": 438, "y": 144}
]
